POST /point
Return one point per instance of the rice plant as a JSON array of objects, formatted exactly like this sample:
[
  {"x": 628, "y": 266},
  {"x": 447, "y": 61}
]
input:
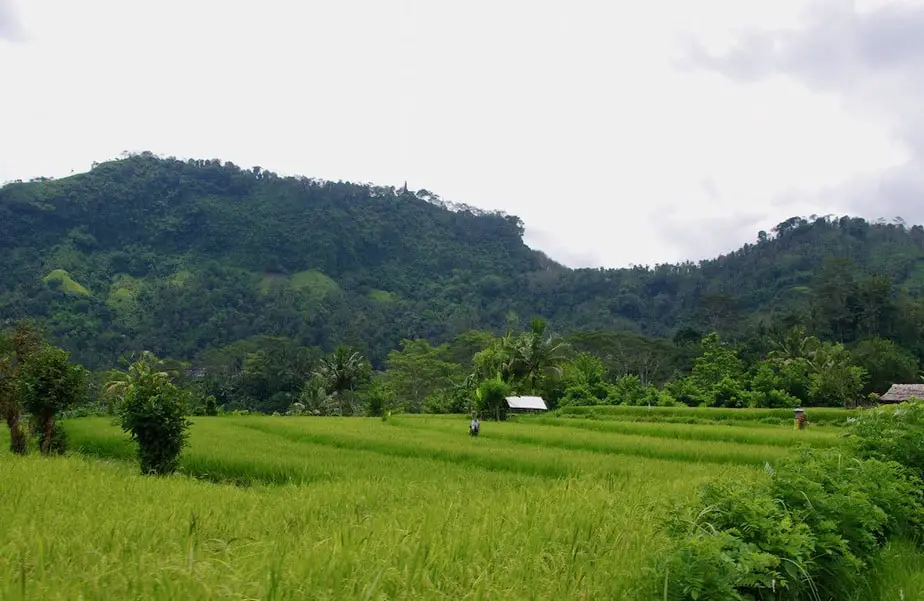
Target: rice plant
[{"x": 351, "y": 508}]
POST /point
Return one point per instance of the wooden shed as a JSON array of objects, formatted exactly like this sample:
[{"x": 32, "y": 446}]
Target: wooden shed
[{"x": 899, "y": 393}]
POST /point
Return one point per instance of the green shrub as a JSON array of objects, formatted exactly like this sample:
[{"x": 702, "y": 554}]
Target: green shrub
[
  {"x": 628, "y": 390},
  {"x": 155, "y": 418},
  {"x": 891, "y": 433},
  {"x": 741, "y": 544},
  {"x": 852, "y": 506},
  {"x": 664, "y": 399},
  {"x": 153, "y": 411},
  {"x": 809, "y": 531},
  {"x": 775, "y": 399},
  {"x": 728, "y": 392},
  {"x": 700, "y": 567},
  {"x": 457, "y": 398},
  {"x": 579, "y": 395},
  {"x": 377, "y": 399},
  {"x": 686, "y": 392}
]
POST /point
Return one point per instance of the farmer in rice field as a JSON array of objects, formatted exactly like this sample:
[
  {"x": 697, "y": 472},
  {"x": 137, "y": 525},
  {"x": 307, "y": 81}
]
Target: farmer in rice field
[{"x": 474, "y": 428}]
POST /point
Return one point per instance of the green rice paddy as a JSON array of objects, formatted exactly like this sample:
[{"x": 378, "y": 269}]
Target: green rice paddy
[{"x": 359, "y": 508}]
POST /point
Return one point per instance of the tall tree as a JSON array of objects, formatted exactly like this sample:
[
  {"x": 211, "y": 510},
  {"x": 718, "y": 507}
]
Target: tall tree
[
  {"x": 720, "y": 311},
  {"x": 835, "y": 380},
  {"x": 342, "y": 372},
  {"x": 416, "y": 371},
  {"x": 16, "y": 346},
  {"x": 48, "y": 384},
  {"x": 836, "y": 293},
  {"x": 886, "y": 363},
  {"x": 538, "y": 354},
  {"x": 718, "y": 362},
  {"x": 876, "y": 307},
  {"x": 792, "y": 344}
]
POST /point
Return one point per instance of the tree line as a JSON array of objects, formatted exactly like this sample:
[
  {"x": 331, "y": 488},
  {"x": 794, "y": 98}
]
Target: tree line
[
  {"x": 776, "y": 365},
  {"x": 810, "y": 360},
  {"x": 39, "y": 383}
]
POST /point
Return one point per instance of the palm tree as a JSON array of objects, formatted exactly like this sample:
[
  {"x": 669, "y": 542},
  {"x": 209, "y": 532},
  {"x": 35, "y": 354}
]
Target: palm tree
[
  {"x": 342, "y": 371},
  {"x": 147, "y": 369},
  {"x": 497, "y": 360},
  {"x": 538, "y": 354},
  {"x": 794, "y": 344},
  {"x": 313, "y": 398}
]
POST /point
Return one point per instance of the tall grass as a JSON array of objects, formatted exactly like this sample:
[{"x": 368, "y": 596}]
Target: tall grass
[
  {"x": 93, "y": 531},
  {"x": 828, "y": 416},
  {"x": 348, "y": 508},
  {"x": 246, "y": 450},
  {"x": 770, "y": 435},
  {"x": 898, "y": 575},
  {"x": 692, "y": 450}
]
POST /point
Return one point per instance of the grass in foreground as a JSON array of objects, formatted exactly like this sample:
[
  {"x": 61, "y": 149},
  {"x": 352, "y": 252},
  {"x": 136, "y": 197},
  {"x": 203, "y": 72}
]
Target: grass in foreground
[
  {"x": 412, "y": 508},
  {"x": 96, "y": 530},
  {"x": 897, "y": 576},
  {"x": 253, "y": 449}
]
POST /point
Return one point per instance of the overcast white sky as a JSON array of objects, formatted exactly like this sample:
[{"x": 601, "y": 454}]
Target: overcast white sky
[{"x": 621, "y": 132}]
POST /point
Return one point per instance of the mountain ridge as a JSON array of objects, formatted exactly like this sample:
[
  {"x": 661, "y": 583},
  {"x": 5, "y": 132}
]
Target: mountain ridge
[{"x": 183, "y": 256}]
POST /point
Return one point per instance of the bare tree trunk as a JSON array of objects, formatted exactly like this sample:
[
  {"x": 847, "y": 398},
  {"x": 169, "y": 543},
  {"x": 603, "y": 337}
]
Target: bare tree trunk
[
  {"x": 17, "y": 436},
  {"x": 48, "y": 426}
]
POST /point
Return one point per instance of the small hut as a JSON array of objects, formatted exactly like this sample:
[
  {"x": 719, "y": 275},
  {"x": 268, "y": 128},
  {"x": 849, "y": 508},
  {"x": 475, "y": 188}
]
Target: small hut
[
  {"x": 899, "y": 393},
  {"x": 526, "y": 404}
]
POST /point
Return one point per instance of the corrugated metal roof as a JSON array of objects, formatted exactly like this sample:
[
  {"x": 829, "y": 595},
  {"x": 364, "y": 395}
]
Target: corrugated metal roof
[
  {"x": 903, "y": 392},
  {"x": 526, "y": 402}
]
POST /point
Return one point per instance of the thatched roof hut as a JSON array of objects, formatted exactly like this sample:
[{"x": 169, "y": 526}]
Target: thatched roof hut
[{"x": 903, "y": 392}]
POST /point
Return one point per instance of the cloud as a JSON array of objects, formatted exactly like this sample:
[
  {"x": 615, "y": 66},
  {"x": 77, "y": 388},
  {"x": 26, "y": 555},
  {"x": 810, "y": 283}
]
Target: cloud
[
  {"x": 574, "y": 119},
  {"x": 539, "y": 238},
  {"x": 710, "y": 237},
  {"x": 9, "y": 24},
  {"x": 873, "y": 61}
]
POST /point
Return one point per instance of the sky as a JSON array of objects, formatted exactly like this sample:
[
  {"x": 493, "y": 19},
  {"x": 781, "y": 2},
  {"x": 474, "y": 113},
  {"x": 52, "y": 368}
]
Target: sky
[{"x": 620, "y": 132}]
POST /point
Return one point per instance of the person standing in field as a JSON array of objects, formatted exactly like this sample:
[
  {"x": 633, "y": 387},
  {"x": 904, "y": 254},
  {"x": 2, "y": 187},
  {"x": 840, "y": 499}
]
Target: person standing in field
[{"x": 475, "y": 427}]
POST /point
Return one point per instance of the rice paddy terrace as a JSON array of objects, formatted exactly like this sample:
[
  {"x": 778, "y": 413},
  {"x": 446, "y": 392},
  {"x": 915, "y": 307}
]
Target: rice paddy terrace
[{"x": 558, "y": 507}]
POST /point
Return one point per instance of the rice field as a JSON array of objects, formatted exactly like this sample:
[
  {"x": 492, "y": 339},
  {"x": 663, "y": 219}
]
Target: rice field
[{"x": 354, "y": 508}]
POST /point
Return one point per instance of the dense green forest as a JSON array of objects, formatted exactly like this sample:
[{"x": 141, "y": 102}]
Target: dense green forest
[{"x": 250, "y": 282}]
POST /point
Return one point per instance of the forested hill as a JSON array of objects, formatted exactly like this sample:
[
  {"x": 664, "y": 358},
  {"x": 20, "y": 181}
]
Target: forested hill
[{"x": 180, "y": 257}]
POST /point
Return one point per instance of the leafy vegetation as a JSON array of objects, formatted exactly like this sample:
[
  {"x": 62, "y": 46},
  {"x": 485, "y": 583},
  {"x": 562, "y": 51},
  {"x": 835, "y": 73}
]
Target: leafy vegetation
[
  {"x": 63, "y": 280},
  {"x": 813, "y": 529},
  {"x": 49, "y": 384},
  {"x": 153, "y": 411},
  {"x": 893, "y": 433}
]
